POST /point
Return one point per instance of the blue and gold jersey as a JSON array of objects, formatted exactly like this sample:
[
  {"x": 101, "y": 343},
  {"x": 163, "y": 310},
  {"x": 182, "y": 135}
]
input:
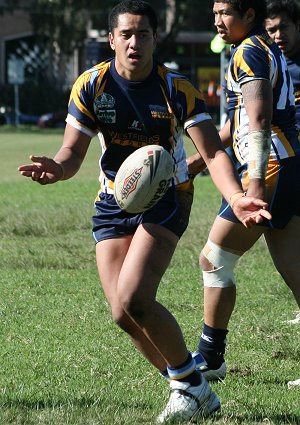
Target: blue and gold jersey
[
  {"x": 127, "y": 115},
  {"x": 257, "y": 57},
  {"x": 293, "y": 64}
]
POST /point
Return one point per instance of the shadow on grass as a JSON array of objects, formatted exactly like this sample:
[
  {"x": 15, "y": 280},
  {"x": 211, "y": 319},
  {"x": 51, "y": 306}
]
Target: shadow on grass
[
  {"x": 260, "y": 419},
  {"x": 89, "y": 403}
]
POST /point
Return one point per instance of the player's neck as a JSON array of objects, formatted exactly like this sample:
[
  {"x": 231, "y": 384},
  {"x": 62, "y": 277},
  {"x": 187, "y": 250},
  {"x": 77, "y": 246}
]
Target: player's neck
[
  {"x": 134, "y": 74},
  {"x": 295, "y": 50}
]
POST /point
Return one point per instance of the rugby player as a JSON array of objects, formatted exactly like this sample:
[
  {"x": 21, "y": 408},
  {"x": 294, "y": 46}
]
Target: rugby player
[
  {"x": 129, "y": 102},
  {"x": 262, "y": 130}
]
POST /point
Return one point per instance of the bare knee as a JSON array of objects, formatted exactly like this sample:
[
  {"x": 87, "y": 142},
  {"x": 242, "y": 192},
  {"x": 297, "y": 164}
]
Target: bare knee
[
  {"x": 121, "y": 319},
  {"x": 136, "y": 308},
  {"x": 124, "y": 320},
  {"x": 290, "y": 272}
]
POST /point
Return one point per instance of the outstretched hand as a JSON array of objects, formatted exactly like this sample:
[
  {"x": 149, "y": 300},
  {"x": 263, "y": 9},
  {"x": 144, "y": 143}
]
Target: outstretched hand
[
  {"x": 251, "y": 210},
  {"x": 43, "y": 170}
]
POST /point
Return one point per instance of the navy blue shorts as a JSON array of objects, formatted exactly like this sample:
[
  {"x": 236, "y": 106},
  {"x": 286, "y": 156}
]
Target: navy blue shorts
[
  {"x": 283, "y": 195},
  {"x": 172, "y": 212}
]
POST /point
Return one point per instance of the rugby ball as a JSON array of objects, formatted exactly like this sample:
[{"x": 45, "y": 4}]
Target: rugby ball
[{"x": 143, "y": 178}]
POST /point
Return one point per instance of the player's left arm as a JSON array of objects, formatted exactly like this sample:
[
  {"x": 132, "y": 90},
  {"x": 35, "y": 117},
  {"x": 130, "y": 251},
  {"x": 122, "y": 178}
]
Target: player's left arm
[
  {"x": 196, "y": 163},
  {"x": 208, "y": 143},
  {"x": 258, "y": 100}
]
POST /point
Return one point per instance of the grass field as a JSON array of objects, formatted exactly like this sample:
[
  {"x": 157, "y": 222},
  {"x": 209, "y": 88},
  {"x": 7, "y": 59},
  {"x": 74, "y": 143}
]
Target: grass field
[{"x": 63, "y": 361}]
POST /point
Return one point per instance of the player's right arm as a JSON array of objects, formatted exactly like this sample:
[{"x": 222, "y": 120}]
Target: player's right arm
[{"x": 65, "y": 163}]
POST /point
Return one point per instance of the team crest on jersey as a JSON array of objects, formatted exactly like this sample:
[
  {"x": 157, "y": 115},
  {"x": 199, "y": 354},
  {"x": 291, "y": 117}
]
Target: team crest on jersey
[
  {"x": 103, "y": 105},
  {"x": 105, "y": 101}
]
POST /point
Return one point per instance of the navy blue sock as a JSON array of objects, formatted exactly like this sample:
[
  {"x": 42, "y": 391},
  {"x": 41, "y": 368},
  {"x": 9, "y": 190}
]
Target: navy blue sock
[{"x": 212, "y": 345}]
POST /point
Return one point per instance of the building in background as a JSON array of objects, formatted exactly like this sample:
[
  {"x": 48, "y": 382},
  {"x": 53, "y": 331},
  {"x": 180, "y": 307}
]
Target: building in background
[{"x": 45, "y": 67}]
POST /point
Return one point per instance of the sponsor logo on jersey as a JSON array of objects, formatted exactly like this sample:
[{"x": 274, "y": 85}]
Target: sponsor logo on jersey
[
  {"x": 161, "y": 115},
  {"x": 133, "y": 139},
  {"x": 159, "y": 112},
  {"x": 136, "y": 125},
  {"x": 107, "y": 116}
]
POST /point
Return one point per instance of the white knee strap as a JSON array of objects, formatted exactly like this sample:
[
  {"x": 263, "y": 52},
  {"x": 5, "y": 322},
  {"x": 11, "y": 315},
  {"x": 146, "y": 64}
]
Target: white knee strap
[{"x": 223, "y": 261}]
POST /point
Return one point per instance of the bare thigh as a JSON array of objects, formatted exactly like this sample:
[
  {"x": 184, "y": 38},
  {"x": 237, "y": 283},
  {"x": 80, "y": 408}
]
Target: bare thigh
[
  {"x": 147, "y": 259},
  {"x": 284, "y": 247},
  {"x": 110, "y": 255},
  {"x": 234, "y": 237}
]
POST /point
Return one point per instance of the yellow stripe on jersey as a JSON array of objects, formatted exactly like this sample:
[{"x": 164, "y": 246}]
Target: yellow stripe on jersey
[
  {"x": 82, "y": 81},
  {"x": 241, "y": 64},
  {"x": 172, "y": 117},
  {"x": 284, "y": 142}
]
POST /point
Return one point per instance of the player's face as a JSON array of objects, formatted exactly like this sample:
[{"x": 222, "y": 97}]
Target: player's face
[
  {"x": 232, "y": 28},
  {"x": 284, "y": 32},
  {"x": 133, "y": 42}
]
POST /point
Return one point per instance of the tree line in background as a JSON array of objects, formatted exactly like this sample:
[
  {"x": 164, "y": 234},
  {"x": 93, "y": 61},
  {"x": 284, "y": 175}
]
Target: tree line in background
[
  {"x": 63, "y": 26},
  {"x": 66, "y": 22}
]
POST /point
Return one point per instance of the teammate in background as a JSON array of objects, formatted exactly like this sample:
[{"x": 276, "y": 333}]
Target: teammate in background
[
  {"x": 282, "y": 24},
  {"x": 132, "y": 101},
  {"x": 262, "y": 129}
]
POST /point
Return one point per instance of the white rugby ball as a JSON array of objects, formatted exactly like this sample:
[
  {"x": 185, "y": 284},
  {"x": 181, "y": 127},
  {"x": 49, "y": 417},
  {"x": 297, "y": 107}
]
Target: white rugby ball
[{"x": 143, "y": 178}]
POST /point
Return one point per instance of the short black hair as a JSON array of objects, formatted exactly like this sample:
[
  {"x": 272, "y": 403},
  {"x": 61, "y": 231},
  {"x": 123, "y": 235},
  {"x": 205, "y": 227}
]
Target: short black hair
[
  {"x": 276, "y": 7},
  {"x": 134, "y": 7},
  {"x": 241, "y": 6}
]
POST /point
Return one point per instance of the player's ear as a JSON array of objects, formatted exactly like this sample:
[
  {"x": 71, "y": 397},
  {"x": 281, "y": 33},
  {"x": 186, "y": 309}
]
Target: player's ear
[
  {"x": 111, "y": 40},
  {"x": 250, "y": 15}
]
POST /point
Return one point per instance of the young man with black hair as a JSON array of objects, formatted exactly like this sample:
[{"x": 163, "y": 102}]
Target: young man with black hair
[{"x": 129, "y": 102}]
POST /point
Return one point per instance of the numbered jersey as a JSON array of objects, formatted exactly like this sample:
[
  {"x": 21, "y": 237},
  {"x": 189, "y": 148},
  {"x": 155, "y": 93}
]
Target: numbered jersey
[
  {"x": 257, "y": 57},
  {"x": 127, "y": 115}
]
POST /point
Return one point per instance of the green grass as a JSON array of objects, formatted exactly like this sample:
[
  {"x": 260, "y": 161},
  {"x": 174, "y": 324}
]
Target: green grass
[{"x": 62, "y": 359}]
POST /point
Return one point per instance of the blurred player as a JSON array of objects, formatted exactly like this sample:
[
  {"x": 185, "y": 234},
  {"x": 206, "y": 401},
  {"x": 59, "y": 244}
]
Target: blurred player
[
  {"x": 265, "y": 140},
  {"x": 132, "y": 101},
  {"x": 282, "y": 24}
]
